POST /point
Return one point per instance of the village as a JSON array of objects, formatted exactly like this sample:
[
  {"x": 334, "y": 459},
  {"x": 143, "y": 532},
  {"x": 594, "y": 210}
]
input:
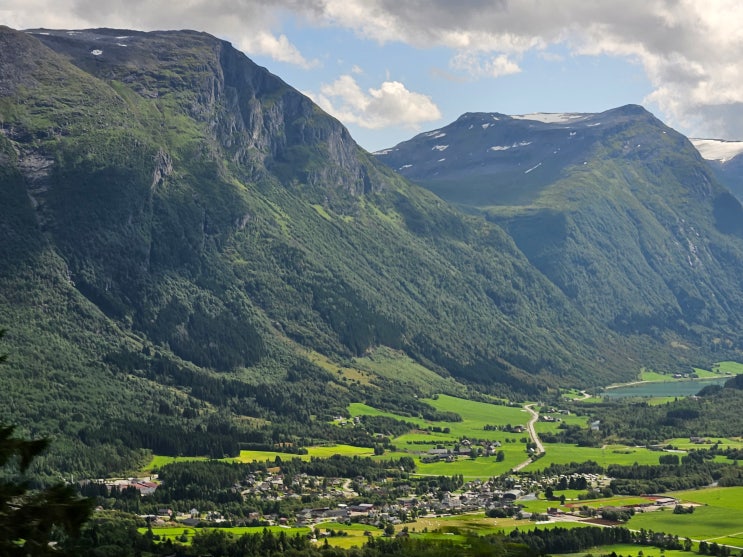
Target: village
[{"x": 317, "y": 500}]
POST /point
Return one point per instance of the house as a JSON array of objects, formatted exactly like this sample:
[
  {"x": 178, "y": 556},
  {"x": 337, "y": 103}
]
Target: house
[{"x": 512, "y": 495}]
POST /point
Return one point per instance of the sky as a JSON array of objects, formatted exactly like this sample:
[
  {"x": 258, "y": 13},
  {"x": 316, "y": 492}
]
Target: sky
[{"x": 389, "y": 69}]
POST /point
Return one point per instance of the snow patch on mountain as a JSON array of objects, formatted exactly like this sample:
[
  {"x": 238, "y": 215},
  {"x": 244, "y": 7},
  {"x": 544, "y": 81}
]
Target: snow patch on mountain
[
  {"x": 718, "y": 149},
  {"x": 552, "y": 117},
  {"x": 439, "y": 148},
  {"x": 532, "y": 168},
  {"x": 512, "y": 146}
]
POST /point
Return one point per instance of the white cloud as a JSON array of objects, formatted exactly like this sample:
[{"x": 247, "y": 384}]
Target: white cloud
[
  {"x": 392, "y": 104},
  {"x": 278, "y": 48},
  {"x": 691, "y": 50},
  {"x": 244, "y": 22},
  {"x": 481, "y": 65}
]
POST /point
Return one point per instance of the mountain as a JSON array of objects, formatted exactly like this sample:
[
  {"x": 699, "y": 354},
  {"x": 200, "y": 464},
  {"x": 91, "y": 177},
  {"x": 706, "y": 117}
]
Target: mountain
[
  {"x": 726, "y": 160},
  {"x": 196, "y": 258},
  {"x": 617, "y": 210}
]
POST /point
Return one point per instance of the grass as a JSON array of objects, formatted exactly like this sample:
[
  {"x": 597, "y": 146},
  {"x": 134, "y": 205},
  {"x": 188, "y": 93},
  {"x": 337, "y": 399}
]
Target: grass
[
  {"x": 563, "y": 453},
  {"x": 649, "y": 375},
  {"x": 172, "y": 533},
  {"x": 718, "y": 518},
  {"x": 475, "y": 416},
  {"x": 158, "y": 461},
  {"x": 482, "y": 467},
  {"x": 350, "y": 373},
  {"x": 724, "y": 497},
  {"x": 618, "y": 501},
  {"x": 628, "y": 550},
  {"x": 320, "y": 451},
  {"x": 728, "y": 368},
  {"x": 683, "y": 443},
  {"x": 395, "y": 365},
  {"x": 705, "y": 523}
]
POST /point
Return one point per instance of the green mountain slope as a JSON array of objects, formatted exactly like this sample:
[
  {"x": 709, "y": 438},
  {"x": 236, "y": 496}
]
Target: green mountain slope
[
  {"x": 180, "y": 226},
  {"x": 616, "y": 209}
]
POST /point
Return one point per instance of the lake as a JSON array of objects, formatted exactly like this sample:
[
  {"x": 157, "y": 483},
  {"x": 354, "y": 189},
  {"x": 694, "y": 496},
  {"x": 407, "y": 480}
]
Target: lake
[{"x": 663, "y": 388}]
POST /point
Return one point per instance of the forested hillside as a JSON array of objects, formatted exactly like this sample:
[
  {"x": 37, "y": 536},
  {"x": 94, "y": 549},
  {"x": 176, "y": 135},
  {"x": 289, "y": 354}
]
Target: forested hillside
[
  {"x": 180, "y": 227},
  {"x": 617, "y": 210}
]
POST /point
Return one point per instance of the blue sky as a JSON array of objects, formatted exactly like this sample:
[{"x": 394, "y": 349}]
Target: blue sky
[
  {"x": 553, "y": 80},
  {"x": 389, "y": 69}
]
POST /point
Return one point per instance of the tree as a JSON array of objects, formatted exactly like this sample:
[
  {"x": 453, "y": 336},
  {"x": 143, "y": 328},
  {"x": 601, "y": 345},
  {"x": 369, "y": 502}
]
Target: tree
[
  {"x": 32, "y": 519},
  {"x": 389, "y": 529}
]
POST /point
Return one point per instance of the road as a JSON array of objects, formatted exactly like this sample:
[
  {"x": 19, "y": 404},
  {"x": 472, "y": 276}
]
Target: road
[{"x": 533, "y": 434}]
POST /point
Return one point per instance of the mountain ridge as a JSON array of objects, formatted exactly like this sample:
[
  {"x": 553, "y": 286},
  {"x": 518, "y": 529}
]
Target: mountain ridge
[
  {"x": 610, "y": 206},
  {"x": 183, "y": 226}
]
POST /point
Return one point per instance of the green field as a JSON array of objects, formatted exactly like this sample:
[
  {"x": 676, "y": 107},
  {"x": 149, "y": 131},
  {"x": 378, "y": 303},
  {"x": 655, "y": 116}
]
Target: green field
[
  {"x": 649, "y": 375},
  {"x": 683, "y": 443},
  {"x": 563, "y": 453},
  {"x": 482, "y": 467},
  {"x": 475, "y": 416},
  {"x": 724, "y": 497},
  {"x": 705, "y": 523},
  {"x": 395, "y": 365},
  {"x": 158, "y": 461},
  {"x": 719, "y": 517},
  {"x": 319, "y": 451},
  {"x": 553, "y": 427},
  {"x": 174, "y": 532},
  {"x": 629, "y": 550},
  {"x": 728, "y": 368}
]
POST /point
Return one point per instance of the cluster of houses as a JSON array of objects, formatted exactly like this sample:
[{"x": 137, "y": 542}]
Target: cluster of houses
[
  {"x": 145, "y": 486},
  {"x": 401, "y": 502},
  {"x": 462, "y": 448}
]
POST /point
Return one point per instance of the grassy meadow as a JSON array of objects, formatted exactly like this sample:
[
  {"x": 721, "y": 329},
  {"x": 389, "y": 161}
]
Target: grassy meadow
[{"x": 475, "y": 416}]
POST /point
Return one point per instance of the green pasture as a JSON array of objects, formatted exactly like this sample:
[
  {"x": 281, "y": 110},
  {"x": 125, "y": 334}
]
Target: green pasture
[
  {"x": 572, "y": 394},
  {"x": 395, "y": 365},
  {"x": 360, "y": 409},
  {"x": 564, "y": 453},
  {"x": 172, "y": 533},
  {"x": 723, "y": 497},
  {"x": 319, "y": 451},
  {"x": 326, "y": 451},
  {"x": 728, "y": 368},
  {"x": 482, "y": 467},
  {"x": 553, "y": 427},
  {"x": 707, "y": 374},
  {"x": 355, "y": 533},
  {"x": 650, "y": 375},
  {"x": 683, "y": 443},
  {"x": 541, "y": 505},
  {"x": 705, "y": 523},
  {"x": 629, "y": 550},
  {"x": 349, "y": 373},
  {"x": 475, "y": 522},
  {"x": 618, "y": 501},
  {"x": 158, "y": 461},
  {"x": 658, "y": 400},
  {"x": 475, "y": 415}
]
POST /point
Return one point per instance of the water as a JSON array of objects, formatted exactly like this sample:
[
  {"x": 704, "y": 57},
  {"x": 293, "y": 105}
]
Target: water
[{"x": 668, "y": 388}]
